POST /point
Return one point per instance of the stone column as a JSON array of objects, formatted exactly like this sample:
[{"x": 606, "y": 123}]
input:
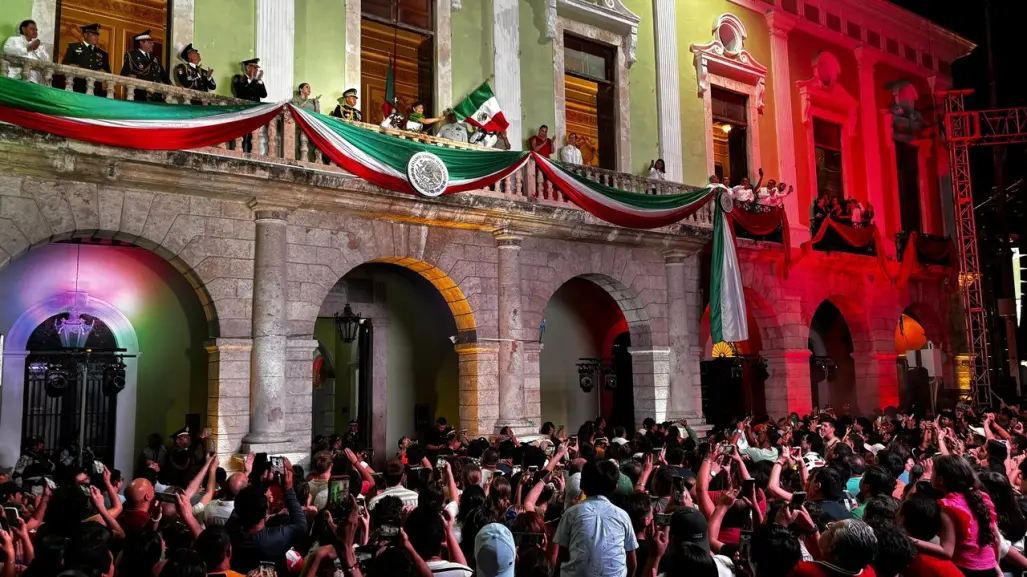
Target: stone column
[
  {"x": 780, "y": 25},
  {"x": 352, "y": 57},
  {"x": 877, "y": 380},
  {"x": 682, "y": 271},
  {"x": 183, "y": 16},
  {"x": 533, "y": 383},
  {"x": 788, "y": 388},
  {"x": 668, "y": 87},
  {"x": 506, "y": 50},
  {"x": 865, "y": 61},
  {"x": 228, "y": 393},
  {"x": 479, "y": 387},
  {"x": 379, "y": 392},
  {"x": 276, "y": 46},
  {"x": 511, "y": 354},
  {"x": 44, "y": 12},
  {"x": 650, "y": 369},
  {"x": 267, "y": 384}
]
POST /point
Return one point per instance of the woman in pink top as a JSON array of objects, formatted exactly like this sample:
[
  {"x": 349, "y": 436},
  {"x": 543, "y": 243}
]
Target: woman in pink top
[{"x": 969, "y": 530}]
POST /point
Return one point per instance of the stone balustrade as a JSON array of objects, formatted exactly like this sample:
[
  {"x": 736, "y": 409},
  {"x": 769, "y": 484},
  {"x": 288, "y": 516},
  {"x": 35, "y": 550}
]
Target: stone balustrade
[{"x": 282, "y": 142}]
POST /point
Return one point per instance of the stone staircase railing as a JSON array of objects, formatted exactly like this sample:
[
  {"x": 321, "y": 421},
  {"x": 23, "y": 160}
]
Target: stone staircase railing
[{"x": 282, "y": 142}]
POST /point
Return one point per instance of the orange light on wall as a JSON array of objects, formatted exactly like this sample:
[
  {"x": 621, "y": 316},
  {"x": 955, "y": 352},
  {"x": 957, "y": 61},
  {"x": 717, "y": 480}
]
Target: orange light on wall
[{"x": 909, "y": 335}]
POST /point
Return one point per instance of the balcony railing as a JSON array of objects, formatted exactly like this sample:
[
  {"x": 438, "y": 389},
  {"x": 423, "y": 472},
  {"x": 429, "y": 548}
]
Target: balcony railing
[
  {"x": 282, "y": 142},
  {"x": 930, "y": 248}
]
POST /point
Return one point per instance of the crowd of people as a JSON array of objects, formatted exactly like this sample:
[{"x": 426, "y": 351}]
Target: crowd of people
[
  {"x": 827, "y": 494},
  {"x": 850, "y": 212}
]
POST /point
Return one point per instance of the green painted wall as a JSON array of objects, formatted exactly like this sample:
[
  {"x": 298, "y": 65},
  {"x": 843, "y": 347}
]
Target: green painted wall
[
  {"x": 225, "y": 34},
  {"x": 320, "y": 57},
  {"x": 537, "y": 87},
  {"x": 12, "y": 12},
  {"x": 695, "y": 26},
  {"x": 645, "y": 137},
  {"x": 472, "y": 47}
]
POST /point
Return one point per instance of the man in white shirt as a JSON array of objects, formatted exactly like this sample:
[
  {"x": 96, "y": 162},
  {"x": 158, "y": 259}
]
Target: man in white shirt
[
  {"x": 218, "y": 511},
  {"x": 453, "y": 129},
  {"x": 27, "y": 45},
  {"x": 766, "y": 441},
  {"x": 321, "y": 474},
  {"x": 394, "y": 476},
  {"x": 596, "y": 537},
  {"x": 570, "y": 153}
]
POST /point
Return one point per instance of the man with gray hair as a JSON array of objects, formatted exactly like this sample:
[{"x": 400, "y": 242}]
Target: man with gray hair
[{"x": 846, "y": 548}]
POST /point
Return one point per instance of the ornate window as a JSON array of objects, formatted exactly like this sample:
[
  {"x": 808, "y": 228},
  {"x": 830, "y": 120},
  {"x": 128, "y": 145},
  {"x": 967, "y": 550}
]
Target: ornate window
[
  {"x": 829, "y": 115},
  {"x": 724, "y": 63}
]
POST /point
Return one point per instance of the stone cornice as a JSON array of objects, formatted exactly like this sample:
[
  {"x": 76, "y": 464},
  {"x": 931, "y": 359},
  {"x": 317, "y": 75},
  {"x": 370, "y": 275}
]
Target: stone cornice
[{"x": 24, "y": 152}]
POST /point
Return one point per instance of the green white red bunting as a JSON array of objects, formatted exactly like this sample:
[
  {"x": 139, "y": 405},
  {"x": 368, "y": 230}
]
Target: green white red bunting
[{"x": 379, "y": 158}]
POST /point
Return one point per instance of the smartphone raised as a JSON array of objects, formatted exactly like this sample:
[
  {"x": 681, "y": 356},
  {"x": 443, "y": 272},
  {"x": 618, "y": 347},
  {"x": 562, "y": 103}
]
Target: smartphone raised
[
  {"x": 338, "y": 489},
  {"x": 662, "y": 519},
  {"x": 748, "y": 485},
  {"x": 532, "y": 469},
  {"x": 165, "y": 497},
  {"x": 798, "y": 498},
  {"x": 277, "y": 464},
  {"x": 12, "y": 516}
]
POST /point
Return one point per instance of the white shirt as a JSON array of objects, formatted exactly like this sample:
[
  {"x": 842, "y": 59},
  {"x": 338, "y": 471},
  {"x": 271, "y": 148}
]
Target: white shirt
[
  {"x": 408, "y": 497},
  {"x": 217, "y": 512},
  {"x": 454, "y": 131},
  {"x": 742, "y": 194},
  {"x": 570, "y": 154},
  {"x": 597, "y": 535},
  {"x": 756, "y": 454},
  {"x": 657, "y": 174},
  {"x": 447, "y": 569},
  {"x": 19, "y": 46},
  {"x": 764, "y": 197}
]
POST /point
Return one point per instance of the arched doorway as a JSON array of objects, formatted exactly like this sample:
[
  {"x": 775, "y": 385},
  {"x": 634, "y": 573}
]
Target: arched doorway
[
  {"x": 401, "y": 372},
  {"x": 734, "y": 375},
  {"x": 146, "y": 305},
  {"x": 584, "y": 322},
  {"x": 832, "y": 370}
]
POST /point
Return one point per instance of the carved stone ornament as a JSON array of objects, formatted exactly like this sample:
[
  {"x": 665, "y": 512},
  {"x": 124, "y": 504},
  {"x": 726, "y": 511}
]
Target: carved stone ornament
[
  {"x": 725, "y": 56},
  {"x": 609, "y": 15},
  {"x": 823, "y": 91},
  {"x": 727, "y": 202},
  {"x": 427, "y": 174}
]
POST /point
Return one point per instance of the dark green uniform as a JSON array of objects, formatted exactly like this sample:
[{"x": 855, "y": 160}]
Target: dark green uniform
[
  {"x": 90, "y": 57},
  {"x": 144, "y": 66}
]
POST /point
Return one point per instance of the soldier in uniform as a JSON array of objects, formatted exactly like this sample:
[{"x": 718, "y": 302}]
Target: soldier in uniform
[
  {"x": 142, "y": 64},
  {"x": 191, "y": 75},
  {"x": 249, "y": 86},
  {"x": 347, "y": 108},
  {"x": 88, "y": 54}
]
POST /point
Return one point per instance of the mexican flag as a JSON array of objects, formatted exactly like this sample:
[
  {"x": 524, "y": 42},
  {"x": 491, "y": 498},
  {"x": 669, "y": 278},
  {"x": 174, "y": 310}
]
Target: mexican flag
[
  {"x": 390, "y": 90},
  {"x": 727, "y": 297},
  {"x": 481, "y": 109}
]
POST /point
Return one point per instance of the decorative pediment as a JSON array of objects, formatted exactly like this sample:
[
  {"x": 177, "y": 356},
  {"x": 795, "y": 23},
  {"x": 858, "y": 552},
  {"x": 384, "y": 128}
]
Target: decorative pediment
[
  {"x": 725, "y": 56},
  {"x": 609, "y": 15},
  {"x": 823, "y": 92}
]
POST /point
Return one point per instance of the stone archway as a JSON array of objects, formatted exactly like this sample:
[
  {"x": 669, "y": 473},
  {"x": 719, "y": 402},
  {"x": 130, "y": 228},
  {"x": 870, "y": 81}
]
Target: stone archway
[
  {"x": 380, "y": 290},
  {"x": 15, "y": 354},
  {"x": 649, "y": 366}
]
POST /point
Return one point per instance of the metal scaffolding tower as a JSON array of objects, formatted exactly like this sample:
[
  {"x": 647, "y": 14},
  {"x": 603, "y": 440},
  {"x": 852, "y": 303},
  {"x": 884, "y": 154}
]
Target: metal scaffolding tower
[{"x": 964, "y": 129}]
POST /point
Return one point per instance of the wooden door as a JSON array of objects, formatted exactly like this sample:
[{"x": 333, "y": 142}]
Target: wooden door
[
  {"x": 582, "y": 113},
  {"x": 119, "y": 21},
  {"x": 414, "y": 68}
]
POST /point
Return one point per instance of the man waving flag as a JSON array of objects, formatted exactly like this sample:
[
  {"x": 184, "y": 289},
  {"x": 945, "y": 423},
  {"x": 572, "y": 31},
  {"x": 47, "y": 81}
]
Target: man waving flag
[{"x": 481, "y": 109}]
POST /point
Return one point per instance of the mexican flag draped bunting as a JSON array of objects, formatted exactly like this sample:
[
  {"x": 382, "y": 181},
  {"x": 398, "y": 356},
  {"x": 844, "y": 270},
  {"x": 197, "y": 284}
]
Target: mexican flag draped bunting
[
  {"x": 727, "y": 298},
  {"x": 376, "y": 157},
  {"x": 142, "y": 125}
]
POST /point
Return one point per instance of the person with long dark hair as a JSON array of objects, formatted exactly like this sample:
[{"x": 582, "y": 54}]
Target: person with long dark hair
[{"x": 969, "y": 531}]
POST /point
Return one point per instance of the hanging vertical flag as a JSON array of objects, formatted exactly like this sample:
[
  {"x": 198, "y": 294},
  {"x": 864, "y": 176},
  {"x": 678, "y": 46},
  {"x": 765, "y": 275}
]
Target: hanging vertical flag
[
  {"x": 727, "y": 297},
  {"x": 390, "y": 90},
  {"x": 481, "y": 109}
]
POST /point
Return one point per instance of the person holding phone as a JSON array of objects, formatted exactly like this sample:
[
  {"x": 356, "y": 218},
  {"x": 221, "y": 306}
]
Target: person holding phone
[{"x": 253, "y": 541}]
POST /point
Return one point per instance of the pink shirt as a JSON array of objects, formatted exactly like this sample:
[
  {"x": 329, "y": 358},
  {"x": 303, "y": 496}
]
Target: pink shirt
[{"x": 968, "y": 554}]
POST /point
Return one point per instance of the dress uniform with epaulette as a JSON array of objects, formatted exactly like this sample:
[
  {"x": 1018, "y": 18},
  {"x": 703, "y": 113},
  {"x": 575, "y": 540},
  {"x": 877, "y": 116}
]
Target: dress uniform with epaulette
[
  {"x": 87, "y": 54},
  {"x": 347, "y": 108},
  {"x": 250, "y": 86},
  {"x": 142, "y": 64},
  {"x": 191, "y": 75}
]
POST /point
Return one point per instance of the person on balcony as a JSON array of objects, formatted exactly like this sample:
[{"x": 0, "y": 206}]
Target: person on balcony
[
  {"x": 744, "y": 193},
  {"x": 541, "y": 143},
  {"x": 868, "y": 215},
  {"x": 347, "y": 108},
  {"x": 191, "y": 75},
  {"x": 142, "y": 64},
  {"x": 27, "y": 45},
  {"x": 88, "y": 54},
  {"x": 570, "y": 152},
  {"x": 416, "y": 121},
  {"x": 856, "y": 213},
  {"x": 303, "y": 99},
  {"x": 657, "y": 170},
  {"x": 497, "y": 140},
  {"x": 453, "y": 129},
  {"x": 249, "y": 86}
]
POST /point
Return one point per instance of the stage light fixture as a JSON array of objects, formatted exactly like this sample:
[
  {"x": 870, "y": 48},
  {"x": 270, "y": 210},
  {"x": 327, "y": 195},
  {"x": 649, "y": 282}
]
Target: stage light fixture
[
  {"x": 610, "y": 381},
  {"x": 114, "y": 378},
  {"x": 586, "y": 376},
  {"x": 57, "y": 379}
]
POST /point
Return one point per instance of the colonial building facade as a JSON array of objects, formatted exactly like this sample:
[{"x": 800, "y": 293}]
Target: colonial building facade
[{"x": 220, "y": 272}]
